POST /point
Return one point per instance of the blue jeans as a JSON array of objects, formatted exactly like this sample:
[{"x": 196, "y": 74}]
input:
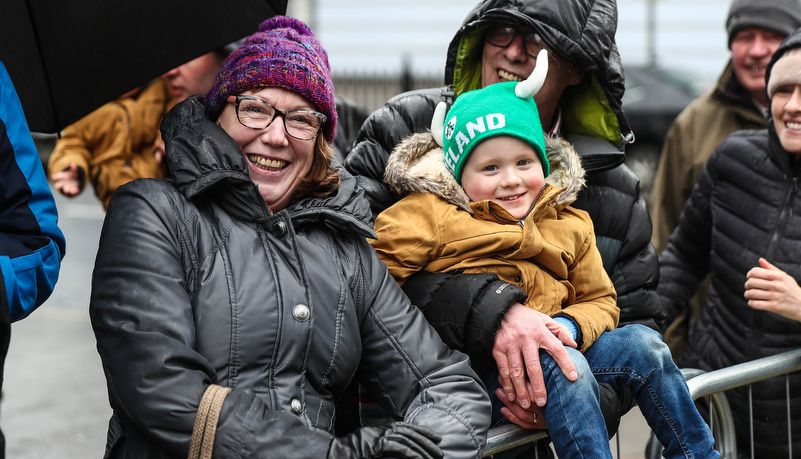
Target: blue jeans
[{"x": 633, "y": 356}]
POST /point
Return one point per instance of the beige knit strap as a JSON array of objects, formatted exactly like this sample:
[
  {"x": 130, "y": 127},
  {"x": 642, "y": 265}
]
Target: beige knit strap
[
  {"x": 206, "y": 422},
  {"x": 200, "y": 421}
]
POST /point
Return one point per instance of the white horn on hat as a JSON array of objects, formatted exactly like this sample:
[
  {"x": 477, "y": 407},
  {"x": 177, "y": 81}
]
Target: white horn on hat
[
  {"x": 526, "y": 89},
  {"x": 438, "y": 122}
]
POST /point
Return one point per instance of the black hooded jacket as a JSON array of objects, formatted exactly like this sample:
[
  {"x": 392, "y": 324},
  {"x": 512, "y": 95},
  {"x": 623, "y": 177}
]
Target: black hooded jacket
[
  {"x": 581, "y": 32},
  {"x": 745, "y": 206}
]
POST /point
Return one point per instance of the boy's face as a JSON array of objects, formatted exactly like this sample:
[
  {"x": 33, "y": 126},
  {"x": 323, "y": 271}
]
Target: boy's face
[{"x": 505, "y": 170}]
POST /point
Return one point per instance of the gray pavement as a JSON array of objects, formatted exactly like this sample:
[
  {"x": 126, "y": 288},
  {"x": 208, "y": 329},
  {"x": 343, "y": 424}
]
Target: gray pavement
[{"x": 55, "y": 403}]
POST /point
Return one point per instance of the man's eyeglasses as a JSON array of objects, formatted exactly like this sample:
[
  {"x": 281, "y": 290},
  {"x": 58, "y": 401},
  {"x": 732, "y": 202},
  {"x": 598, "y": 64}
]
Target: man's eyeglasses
[
  {"x": 503, "y": 36},
  {"x": 255, "y": 113}
]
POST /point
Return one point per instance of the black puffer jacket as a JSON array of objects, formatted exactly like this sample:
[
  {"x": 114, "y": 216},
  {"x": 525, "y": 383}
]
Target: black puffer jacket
[
  {"x": 197, "y": 283},
  {"x": 467, "y": 309},
  {"x": 745, "y": 206}
]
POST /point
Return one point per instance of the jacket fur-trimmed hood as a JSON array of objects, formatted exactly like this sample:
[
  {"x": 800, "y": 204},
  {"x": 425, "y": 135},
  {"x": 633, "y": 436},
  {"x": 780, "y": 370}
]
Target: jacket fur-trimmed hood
[{"x": 417, "y": 165}]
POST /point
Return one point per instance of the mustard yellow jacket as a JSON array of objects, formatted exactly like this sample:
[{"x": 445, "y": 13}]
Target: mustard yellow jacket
[
  {"x": 551, "y": 255},
  {"x": 115, "y": 143}
]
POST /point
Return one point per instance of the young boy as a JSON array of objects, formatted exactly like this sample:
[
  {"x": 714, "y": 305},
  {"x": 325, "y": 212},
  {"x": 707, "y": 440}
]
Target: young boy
[{"x": 482, "y": 204}]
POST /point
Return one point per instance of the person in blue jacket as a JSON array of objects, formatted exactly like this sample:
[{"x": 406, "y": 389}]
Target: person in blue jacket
[{"x": 31, "y": 244}]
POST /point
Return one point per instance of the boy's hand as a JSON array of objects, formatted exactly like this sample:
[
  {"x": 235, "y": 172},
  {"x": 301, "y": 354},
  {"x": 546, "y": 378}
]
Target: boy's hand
[
  {"x": 560, "y": 331},
  {"x": 768, "y": 288},
  {"x": 523, "y": 332}
]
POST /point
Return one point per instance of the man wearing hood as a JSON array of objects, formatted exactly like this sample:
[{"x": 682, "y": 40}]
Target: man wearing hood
[
  {"x": 580, "y": 101},
  {"x": 740, "y": 226}
]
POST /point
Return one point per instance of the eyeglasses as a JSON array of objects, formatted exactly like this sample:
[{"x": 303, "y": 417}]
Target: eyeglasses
[
  {"x": 503, "y": 36},
  {"x": 254, "y": 113}
]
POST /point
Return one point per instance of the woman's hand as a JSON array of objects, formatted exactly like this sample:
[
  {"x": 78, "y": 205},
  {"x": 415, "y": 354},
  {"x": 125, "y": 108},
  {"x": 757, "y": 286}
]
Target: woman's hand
[
  {"x": 523, "y": 332},
  {"x": 768, "y": 288},
  {"x": 68, "y": 181}
]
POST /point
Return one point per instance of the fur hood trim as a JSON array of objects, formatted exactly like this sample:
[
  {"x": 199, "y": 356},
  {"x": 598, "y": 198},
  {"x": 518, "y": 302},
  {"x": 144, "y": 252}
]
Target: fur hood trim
[{"x": 417, "y": 165}]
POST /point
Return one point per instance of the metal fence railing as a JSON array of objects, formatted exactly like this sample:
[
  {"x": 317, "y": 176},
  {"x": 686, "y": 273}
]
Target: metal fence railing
[
  {"x": 510, "y": 436},
  {"x": 710, "y": 385}
]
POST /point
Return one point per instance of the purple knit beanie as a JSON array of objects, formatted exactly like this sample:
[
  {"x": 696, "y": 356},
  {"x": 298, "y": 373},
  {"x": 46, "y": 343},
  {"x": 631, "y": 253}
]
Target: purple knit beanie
[{"x": 284, "y": 54}]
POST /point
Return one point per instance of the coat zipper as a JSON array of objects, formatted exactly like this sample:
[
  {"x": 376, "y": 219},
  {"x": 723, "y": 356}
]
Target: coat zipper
[
  {"x": 784, "y": 215},
  {"x": 522, "y": 221}
]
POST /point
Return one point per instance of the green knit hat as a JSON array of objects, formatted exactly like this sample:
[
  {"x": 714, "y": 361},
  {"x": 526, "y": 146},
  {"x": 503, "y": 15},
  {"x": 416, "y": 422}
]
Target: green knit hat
[{"x": 483, "y": 113}]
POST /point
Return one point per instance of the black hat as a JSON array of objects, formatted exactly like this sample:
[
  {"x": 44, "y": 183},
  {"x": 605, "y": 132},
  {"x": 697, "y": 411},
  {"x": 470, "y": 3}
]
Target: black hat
[{"x": 783, "y": 16}]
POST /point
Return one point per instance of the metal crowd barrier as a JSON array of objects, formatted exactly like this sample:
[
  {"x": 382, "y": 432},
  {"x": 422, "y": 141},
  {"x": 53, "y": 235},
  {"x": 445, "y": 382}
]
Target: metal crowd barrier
[
  {"x": 510, "y": 436},
  {"x": 714, "y": 384},
  {"x": 711, "y": 384}
]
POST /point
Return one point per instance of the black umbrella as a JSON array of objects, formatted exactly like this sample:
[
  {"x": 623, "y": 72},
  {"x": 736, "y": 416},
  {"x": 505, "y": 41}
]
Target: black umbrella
[{"x": 68, "y": 57}]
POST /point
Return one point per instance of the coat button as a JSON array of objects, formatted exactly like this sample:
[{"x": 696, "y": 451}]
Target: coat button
[
  {"x": 296, "y": 406},
  {"x": 301, "y": 313},
  {"x": 279, "y": 229}
]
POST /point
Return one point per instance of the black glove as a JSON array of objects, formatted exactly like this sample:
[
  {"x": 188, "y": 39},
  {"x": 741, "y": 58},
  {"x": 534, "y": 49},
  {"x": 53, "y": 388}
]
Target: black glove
[
  {"x": 614, "y": 404},
  {"x": 397, "y": 440}
]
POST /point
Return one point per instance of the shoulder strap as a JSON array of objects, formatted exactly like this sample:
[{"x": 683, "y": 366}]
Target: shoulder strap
[{"x": 206, "y": 422}]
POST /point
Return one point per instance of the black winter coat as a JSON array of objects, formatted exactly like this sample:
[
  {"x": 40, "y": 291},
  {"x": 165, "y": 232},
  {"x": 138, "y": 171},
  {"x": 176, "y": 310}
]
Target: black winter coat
[
  {"x": 197, "y": 283},
  {"x": 467, "y": 309},
  {"x": 744, "y": 207}
]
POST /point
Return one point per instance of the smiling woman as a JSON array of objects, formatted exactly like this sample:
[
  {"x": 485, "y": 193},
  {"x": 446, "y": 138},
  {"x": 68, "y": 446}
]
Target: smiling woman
[
  {"x": 250, "y": 269},
  {"x": 784, "y": 89},
  {"x": 284, "y": 73},
  {"x": 277, "y": 160},
  {"x": 751, "y": 249}
]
